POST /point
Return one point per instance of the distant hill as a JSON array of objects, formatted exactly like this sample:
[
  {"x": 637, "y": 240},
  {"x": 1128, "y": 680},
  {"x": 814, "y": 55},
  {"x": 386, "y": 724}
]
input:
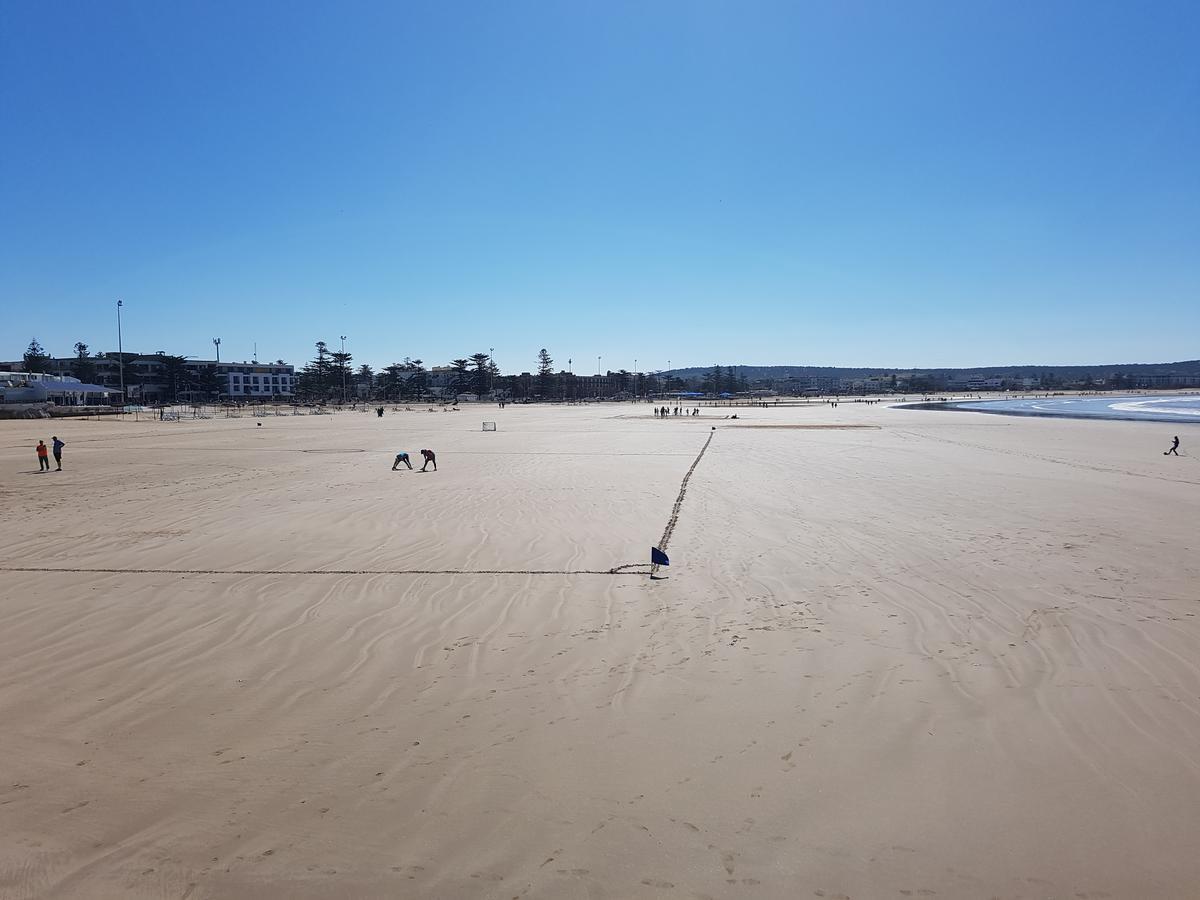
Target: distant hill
[{"x": 1065, "y": 373}]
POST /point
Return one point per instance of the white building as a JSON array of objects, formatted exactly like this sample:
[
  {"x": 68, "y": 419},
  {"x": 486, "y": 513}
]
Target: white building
[
  {"x": 44, "y": 388},
  {"x": 251, "y": 380}
]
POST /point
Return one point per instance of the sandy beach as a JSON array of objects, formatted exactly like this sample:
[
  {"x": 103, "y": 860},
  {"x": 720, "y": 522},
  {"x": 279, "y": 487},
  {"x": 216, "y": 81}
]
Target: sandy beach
[{"x": 934, "y": 654}]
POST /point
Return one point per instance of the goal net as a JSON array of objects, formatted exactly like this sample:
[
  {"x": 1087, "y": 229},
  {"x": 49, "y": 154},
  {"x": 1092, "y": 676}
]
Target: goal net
[{"x": 489, "y": 426}]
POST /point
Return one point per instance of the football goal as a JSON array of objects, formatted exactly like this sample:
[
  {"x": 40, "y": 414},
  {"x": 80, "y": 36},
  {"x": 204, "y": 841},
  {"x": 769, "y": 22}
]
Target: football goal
[{"x": 489, "y": 426}]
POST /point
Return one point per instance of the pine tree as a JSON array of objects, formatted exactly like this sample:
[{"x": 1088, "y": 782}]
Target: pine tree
[
  {"x": 418, "y": 381},
  {"x": 313, "y": 382},
  {"x": 83, "y": 368},
  {"x": 364, "y": 377},
  {"x": 339, "y": 372},
  {"x": 480, "y": 376},
  {"x": 545, "y": 372},
  {"x": 461, "y": 380},
  {"x": 36, "y": 358},
  {"x": 174, "y": 375},
  {"x": 391, "y": 382}
]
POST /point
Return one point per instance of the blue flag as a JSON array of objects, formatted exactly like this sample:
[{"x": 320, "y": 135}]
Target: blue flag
[{"x": 658, "y": 558}]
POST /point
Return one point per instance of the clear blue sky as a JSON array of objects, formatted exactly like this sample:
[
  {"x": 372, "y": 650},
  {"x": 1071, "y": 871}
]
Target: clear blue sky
[{"x": 836, "y": 183}]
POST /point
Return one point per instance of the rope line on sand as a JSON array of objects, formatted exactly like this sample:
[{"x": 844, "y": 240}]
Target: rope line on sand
[
  {"x": 626, "y": 569},
  {"x": 618, "y": 570},
  {"x": 671, "y": 522}
]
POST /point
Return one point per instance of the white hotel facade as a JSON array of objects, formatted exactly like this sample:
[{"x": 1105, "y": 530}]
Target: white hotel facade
[{"x": 255, "y": 380}]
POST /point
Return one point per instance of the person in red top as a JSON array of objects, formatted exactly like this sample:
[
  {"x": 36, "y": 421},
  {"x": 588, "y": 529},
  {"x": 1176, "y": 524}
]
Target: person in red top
[
  {"x": 430, "y": 457},
  {"x": 43, "y": 453}
]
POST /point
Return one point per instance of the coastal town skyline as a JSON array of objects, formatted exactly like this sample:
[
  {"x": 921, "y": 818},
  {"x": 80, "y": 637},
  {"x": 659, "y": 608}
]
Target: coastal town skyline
[{"x": 684, "y": 368}]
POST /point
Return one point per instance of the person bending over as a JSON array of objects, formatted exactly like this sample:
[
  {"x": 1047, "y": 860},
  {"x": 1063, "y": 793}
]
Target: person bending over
[
  {"x": 401, "y": 457},
  {"x": 430, "y": 457}
]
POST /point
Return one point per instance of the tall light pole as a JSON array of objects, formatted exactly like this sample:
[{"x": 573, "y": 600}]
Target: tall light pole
[
  {"x": 217, "y": 368},
  {"x": 343, "y": 362},
  {"x": 635, "y": 379},
  {"x": 120, "y": 351},
  {"x": 491, "y": 365}
]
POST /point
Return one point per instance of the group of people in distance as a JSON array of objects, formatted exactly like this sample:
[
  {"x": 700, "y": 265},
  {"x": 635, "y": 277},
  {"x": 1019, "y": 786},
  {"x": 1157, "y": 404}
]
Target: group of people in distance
[
  {"x": 402, "y": 457},
  {"x": 43, "y": 454},
  {"x": 663, "y": 412}
]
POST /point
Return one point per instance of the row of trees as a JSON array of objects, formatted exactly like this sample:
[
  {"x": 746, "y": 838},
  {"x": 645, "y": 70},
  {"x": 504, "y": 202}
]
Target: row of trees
[
  {"x": 174, "y": 373},
  {"x": 36, "y": 359},
  {"x": 719, "y": 381},
  {"x": 329, "y": 376}
]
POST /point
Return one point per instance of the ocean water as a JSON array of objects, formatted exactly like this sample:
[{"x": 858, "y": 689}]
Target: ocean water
[{"x": 1174, "y": 408}]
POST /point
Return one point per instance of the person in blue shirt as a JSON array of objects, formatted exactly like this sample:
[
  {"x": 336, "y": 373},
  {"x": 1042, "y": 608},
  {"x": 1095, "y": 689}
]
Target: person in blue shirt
[
  {"x": 401, "y": 457},
  {"x": 58, "y": 445}
]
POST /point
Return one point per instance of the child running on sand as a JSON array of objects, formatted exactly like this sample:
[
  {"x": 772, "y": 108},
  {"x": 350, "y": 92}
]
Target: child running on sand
[
  {"x": 401, "y": 457},
  {"x": 430, "y": 457}
]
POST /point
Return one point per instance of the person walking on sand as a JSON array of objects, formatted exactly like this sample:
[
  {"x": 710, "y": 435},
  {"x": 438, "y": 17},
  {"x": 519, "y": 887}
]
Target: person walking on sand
[
  {"x": 430, "y": 457},
  {"x": 1174, "y": 447},
  {"x": 58, "y": 445},
  {"x": 401, "y": 457},
  {"x": 43, "y": 453}
]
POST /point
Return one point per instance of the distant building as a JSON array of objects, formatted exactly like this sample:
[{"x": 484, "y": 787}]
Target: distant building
[
  {"x": 1167, "y": 380},
  {"x": 148, "y": 378},
  {"x": 250, "y": 380},
  {"x": 44, "y": 388}
]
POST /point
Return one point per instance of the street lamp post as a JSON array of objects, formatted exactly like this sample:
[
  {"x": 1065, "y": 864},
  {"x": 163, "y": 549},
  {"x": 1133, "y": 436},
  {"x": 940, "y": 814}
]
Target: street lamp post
[
  {"x": 217, "y": 368},
  {"x": 635, "y": 380},
  {"x": 343, "y": 362},
  {"x": 491, "y": 365},
  {"x": 120, "y": 352}
]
